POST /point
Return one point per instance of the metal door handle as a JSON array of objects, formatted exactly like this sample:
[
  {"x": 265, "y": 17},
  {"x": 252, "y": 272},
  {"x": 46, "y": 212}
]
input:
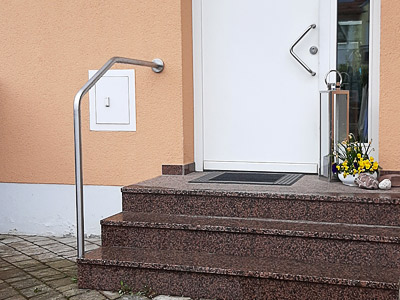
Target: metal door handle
[{"x": 312, "y": 26}]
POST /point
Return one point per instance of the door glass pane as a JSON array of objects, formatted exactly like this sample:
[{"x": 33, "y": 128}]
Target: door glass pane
[{"x": 353, "y": 60}]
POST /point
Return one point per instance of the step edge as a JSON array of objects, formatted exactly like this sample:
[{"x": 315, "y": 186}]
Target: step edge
[
  {"x": 254, "y": 274},
  {"x": 247, "y": 230},
  {"x": 373, "y": 198}
]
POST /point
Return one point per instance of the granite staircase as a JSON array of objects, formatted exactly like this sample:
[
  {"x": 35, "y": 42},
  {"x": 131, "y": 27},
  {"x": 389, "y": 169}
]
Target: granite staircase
[{"x": 249, "y": 245}]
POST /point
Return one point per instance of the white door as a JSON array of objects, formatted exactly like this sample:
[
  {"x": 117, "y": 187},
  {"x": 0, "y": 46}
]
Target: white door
[{"x": 260, "y": 107}]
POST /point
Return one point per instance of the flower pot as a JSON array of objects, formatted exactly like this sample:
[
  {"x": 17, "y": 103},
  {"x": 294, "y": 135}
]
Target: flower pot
[{"x": 349, "y": 180}]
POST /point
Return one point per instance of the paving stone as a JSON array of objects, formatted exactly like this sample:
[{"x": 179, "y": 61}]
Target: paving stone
[
  {"x": 133, "y": 297},
  {"x": 67, "y": 254},
  {"x": 19, "y": 278},
  {"x": 6, "y": 250},
  {"x": 48, "y": 256},
  {"x": 93, "y": 237},
  {"x": 69, "y": 286},
  {"x": 20, "y": 244},
  {"x": 47, "y": 260},
  {"x": 70, "y": 290},
  {"x": 36, "y": 238},
  {"x": 69, "y": 269},
  {"x": 10, "y": 273},
  {"x": 3, "y": 285},
  {"x": 93, "y": 241},
  {"x": 89, "y": 295},
  {"x": 72, "y": 245},
  {"x": 98, "y": 242},
  {"x": 53, "y": 295},
  {"x": 35, "y": 290},
  {"x": 53, "y": 277},
  {"x": 66, "y": 240},
  {"x": 87, "y": 242},
  {"x": 61, "y": 263},
  {"x": 26, "y": 263},
  {"x": 23, "y": 236},
  {"x": 72, "y": 259},
  {"x": 45, "y": 242},
  {"x": 161, "y": 297},
  {"x": 91, "y": 247},
  {"x": 7, "y": 293},
  {"x": 11, "y": 239},
  {"x": 66, "y": 281},
  {"x": 34, "y": 250},
  {"x": 23, "y": 284},
  {"x": 71, "y": 272},
  {"x": 15, "y": 258},
  {"x": 6, "y": 268},
  {"x": 45, "y": 272},
  {"x": 35, "y": 268},
  {"x": 111, "y": 295},
  {"x": 16, "y": 297},
  {"x": 4, "y": 263},
  {"x": 73, "y": 292},
  {"x": 57, "y": 248}
]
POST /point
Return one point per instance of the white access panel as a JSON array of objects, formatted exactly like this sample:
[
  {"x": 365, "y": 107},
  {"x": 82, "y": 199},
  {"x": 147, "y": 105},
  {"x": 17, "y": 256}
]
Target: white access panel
[{"x": 112, "y": 101}]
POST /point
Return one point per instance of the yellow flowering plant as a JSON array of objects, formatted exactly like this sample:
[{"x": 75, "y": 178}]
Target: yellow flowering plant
[{"x": 353, "y": 158}]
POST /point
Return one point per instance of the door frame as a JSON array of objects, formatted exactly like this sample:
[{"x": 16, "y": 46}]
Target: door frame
[
  {"x": 374, "y": 76},
  {"x": 327, "y": 11}
]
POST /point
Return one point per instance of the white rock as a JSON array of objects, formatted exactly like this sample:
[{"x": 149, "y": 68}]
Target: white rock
[{"x": 385, "y": 184}]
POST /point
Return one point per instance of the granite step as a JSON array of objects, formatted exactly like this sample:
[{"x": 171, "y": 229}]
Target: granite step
[
  {"x": 217, "y": 276},
  {"x": 358, "y": 208},
  {"x": 303, "y": 241}
]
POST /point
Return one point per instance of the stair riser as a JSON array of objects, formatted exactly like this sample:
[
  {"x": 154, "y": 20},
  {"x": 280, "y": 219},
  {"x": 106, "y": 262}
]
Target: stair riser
[
  {"x": 284, "y": 209},
  {"x": 247, "y": 244},
  {"x": 213, "y": 286}
]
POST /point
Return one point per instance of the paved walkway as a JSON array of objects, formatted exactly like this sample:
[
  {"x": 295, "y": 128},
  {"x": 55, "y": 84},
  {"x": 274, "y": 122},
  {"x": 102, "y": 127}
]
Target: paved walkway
[{"x": 37, "y": 267}]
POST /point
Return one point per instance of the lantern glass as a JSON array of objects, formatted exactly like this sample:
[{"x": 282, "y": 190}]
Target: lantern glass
[
  {"x": 341, "y": 121},
  {"x": 334, "y": 128}
]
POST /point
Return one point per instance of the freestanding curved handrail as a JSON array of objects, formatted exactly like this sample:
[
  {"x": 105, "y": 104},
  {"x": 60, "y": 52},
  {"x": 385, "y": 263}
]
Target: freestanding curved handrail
[
  {"x": 302, "y": 63},
  {"x": 157, "y": 66}
]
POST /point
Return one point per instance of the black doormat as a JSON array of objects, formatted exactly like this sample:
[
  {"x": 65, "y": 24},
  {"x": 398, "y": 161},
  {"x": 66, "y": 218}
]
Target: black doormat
[{"x": 262, "y": 178}]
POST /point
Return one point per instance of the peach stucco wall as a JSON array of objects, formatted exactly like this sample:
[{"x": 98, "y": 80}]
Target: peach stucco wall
[
  {"x": 389, "y": 108},
  {"x": 46, "y": 50},
  {"x": 48, "y": 46}
]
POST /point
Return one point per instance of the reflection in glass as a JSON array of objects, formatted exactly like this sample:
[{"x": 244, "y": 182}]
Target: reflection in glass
[{"x": 353, "y": 60}]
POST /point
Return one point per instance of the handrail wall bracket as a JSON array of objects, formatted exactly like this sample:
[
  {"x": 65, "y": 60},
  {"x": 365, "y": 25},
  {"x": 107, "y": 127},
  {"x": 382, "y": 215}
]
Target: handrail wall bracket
[{"x": 157, "y": 65}]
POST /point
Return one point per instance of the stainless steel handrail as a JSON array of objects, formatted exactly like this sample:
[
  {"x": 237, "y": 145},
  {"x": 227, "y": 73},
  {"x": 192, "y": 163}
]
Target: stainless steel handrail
[
  {"x": 157, "y": 66},
  {"x": 312, "y": 26}
]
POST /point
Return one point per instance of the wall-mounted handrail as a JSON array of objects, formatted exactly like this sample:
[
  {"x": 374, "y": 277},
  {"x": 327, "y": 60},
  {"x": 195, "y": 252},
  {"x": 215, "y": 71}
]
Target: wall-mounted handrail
[{"x": 157, "y": 66}]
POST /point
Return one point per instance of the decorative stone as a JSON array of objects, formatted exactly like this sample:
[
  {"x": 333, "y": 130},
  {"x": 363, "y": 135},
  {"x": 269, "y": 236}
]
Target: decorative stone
[
  {"x": 367, "y": 181},
  {"x": 385, "y": 184},
  {"x": 394, "y": 178}
]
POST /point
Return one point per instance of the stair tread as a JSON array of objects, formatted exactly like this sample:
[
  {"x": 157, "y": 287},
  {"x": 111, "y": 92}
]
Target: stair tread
[
  {"x": 354, "y": 206},
  {"x": 326, "y": 193},
  {"x": 271, "y": 268},
  {"x": 388, "y": 234}
]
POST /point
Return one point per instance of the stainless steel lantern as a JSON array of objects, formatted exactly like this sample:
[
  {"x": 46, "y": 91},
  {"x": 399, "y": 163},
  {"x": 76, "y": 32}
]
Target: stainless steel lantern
[{"x": 334, "y": 124}]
